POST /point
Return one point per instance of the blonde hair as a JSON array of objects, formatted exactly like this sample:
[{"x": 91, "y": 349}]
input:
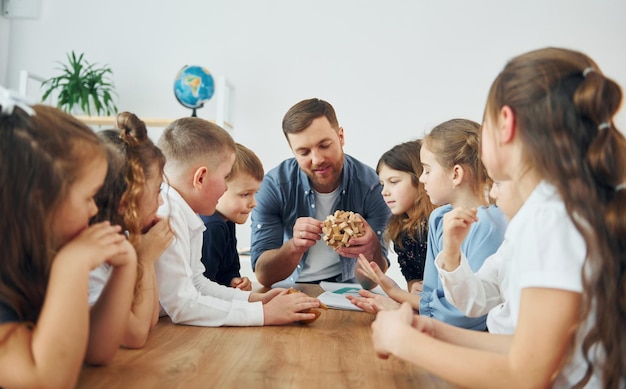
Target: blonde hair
[
  {"x": 246, "y": 162},
  {"x": 456, "y": 142},
  {"x": 189, "y": 140}
]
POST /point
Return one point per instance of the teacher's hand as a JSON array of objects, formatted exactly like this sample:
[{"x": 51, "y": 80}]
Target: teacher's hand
[{"x": 306, "y": 232}]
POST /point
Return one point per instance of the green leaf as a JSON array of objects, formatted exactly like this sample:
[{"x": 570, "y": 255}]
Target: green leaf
[{"x": 82, "y": 84}]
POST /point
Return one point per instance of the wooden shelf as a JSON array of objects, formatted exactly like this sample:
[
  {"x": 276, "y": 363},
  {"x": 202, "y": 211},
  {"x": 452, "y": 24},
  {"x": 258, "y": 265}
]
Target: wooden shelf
[
  {"x": 111, "y": 120},
  {"x": 150, "y": 122}
]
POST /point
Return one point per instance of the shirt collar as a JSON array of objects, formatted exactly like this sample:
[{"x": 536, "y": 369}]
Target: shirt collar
[{"x": 192, "y": 219}]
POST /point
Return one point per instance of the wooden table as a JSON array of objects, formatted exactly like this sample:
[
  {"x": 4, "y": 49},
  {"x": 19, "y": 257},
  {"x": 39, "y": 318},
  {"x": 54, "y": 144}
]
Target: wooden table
[{"x": 333, "y": 352}]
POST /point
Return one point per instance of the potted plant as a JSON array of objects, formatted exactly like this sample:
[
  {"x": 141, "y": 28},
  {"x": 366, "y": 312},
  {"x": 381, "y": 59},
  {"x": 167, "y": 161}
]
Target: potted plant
[{"x": 83, "y": 86}]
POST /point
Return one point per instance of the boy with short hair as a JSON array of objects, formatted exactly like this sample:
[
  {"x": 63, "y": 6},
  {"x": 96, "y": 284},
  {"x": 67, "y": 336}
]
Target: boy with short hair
[
  {"x": 219, "y": 251},
  {"x": 199, "y": 156}
]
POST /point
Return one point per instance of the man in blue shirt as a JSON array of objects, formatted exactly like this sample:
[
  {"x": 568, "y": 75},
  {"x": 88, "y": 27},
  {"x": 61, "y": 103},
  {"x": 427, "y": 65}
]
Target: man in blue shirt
[{"x": 296, "y": 196}]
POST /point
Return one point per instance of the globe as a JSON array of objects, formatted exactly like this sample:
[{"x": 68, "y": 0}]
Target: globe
[{"x": 193, "y": 86}]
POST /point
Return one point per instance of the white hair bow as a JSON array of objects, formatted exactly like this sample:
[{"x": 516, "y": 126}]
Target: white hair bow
[{"x": 9, "y": 100}]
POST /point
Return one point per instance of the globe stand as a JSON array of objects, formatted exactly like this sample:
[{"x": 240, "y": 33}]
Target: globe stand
[
  {"x": 193, "y": 85},
  {"x": 193, "y": 110}
]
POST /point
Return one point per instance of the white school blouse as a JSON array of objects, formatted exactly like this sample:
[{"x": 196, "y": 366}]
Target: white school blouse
[
  {"x": 185, "y": 294},
  {"x": 541, "y": 249}
]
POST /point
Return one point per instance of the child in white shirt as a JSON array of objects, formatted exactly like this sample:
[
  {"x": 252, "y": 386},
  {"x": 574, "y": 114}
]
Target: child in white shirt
[{"x": 199, "y": 157}]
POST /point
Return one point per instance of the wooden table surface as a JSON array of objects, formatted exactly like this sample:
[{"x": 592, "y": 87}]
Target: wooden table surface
[{"x": 333, "y": 352}]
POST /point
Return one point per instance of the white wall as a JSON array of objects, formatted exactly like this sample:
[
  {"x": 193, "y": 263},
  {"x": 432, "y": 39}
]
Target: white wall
[
  {"x": 4, "y": 49},
  {"x": 392, "y": 69}
]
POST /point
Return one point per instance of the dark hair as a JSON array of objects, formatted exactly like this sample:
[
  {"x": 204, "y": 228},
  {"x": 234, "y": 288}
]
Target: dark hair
[
  {"x": 456, "y": 142},
  {"x": 247, "y": 162},
  {"x": 188, "y": 140},
  {"x": 564, "y": 108},
  {"x": 110, "y": 195},
  {"x": 41, "y": 157},
  {"x": 405, "y": 157},
  {"x": 301, "y": 115},
  {"x": 132, "y": 157}
]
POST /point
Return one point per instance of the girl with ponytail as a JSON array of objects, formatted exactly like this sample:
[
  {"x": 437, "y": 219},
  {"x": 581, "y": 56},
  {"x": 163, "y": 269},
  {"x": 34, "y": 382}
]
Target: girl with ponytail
[
  {"x": 130, "y": 197},
  {"x": 548, "y": 128}
]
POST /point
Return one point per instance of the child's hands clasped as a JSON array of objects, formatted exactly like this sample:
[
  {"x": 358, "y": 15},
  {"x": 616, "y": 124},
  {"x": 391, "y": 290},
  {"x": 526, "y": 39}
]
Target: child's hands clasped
[
  {"x": 98, "y": 243},
  {"x": 127, "y": 257},
  {"x": 154, "y": 242}
]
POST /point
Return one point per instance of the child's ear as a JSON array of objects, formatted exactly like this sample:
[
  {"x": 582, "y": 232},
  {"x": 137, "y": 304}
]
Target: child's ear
[
  {"x": 199, "y": 177},
  {"x": 457, "y": 175},
  {"x": 507, "y": 124}
]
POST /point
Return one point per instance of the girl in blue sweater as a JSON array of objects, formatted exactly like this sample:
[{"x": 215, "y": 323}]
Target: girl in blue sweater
[{"x": 453, "y": 177}]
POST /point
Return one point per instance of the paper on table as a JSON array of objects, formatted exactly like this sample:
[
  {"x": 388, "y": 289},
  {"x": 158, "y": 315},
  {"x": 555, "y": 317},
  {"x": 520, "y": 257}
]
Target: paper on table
[
  {"x": 333, "y": 286},
  {"x": 335, "y": 293}
]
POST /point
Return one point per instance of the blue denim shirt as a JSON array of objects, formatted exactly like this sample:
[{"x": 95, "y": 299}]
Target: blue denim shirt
[{"x": 286, "y": 194}]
